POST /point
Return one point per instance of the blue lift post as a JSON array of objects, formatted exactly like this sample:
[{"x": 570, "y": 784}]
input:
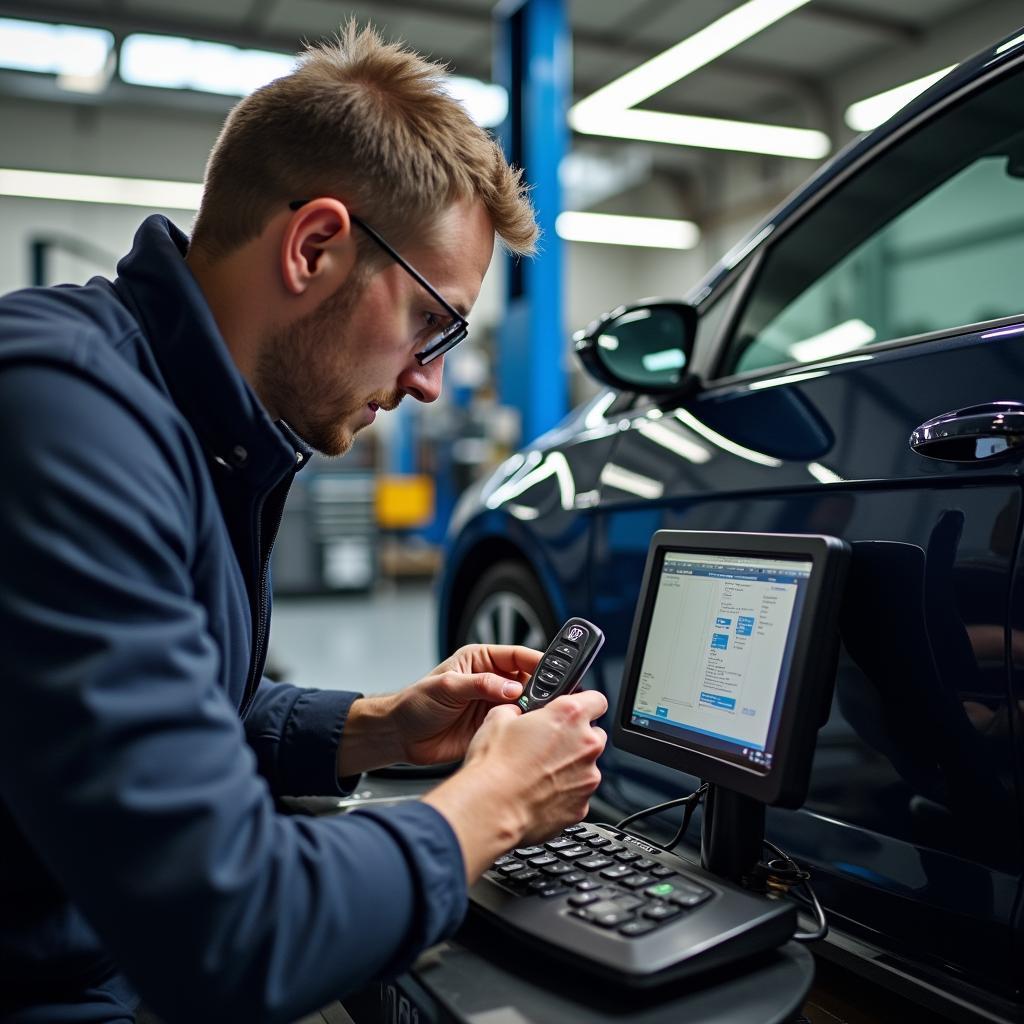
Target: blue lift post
[{"x": 533, "y": 62}]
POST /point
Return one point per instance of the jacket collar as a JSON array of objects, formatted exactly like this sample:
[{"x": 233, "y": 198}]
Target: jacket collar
[{"x": 229, "y": 420}]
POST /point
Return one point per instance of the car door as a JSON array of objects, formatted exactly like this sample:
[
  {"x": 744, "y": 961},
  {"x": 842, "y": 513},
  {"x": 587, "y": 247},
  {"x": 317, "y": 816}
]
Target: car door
[{"x": 893, "y": 295}]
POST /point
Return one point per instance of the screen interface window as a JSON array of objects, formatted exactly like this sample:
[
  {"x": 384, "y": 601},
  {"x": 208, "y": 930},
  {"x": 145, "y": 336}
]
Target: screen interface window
[{"x": 719, "y": 644}]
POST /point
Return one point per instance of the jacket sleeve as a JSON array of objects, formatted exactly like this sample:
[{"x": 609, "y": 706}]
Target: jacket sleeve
[
  {"x": 294, "y": 733},
  {"x": 127, "y": 768}
]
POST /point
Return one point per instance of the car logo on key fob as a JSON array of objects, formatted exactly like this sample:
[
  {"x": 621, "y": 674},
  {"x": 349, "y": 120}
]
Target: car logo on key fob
[{"x": 574, "y": 634}]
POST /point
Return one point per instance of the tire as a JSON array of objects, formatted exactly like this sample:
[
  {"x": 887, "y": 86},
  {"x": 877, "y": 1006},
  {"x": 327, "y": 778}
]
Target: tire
[{"x": 507, "y": 606}]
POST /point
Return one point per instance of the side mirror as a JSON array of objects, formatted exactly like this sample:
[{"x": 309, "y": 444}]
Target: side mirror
[{"x": 644, "y": 347}]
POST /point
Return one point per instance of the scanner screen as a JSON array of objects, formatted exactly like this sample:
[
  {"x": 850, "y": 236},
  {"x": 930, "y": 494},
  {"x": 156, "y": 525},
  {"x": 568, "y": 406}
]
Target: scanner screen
[{"x": 717, "y": 653}]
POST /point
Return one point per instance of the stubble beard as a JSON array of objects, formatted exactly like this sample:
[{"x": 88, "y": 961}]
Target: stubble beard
[{"x": 301, "y": 374}]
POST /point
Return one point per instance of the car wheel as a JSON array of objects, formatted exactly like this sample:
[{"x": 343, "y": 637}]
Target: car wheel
[{"x": 507, "y": 606}]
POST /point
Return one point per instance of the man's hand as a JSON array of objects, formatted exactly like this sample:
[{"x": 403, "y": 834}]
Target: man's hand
[
  {"x": 524, "y": 778},
  {"x": 434, "y": 720},
  {"x": 437, "y": 717}
]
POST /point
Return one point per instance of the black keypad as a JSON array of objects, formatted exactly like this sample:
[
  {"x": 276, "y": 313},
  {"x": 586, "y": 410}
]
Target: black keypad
[{"x": 603, "y": 883}]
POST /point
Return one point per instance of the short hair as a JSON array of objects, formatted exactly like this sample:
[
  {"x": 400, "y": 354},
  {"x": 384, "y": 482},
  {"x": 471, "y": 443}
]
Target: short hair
[{"x": 371, "y": 123}]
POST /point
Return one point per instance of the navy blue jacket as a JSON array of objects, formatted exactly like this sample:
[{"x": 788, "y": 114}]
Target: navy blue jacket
[{"x": 141, "y": 486}]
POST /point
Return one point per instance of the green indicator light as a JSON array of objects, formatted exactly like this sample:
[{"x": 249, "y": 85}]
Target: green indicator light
[{"x": 662, "y": 889}]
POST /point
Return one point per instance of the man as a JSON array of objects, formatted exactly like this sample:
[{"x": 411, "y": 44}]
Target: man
[{"x": 152, "y": 427}]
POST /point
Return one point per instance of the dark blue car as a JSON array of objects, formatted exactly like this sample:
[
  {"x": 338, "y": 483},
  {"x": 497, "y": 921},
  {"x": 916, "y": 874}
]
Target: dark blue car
[{"x": 856, "y": 368}]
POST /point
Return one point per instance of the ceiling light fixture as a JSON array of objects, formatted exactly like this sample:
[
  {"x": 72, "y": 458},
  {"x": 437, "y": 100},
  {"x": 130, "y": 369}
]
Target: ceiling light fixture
[
  {"x": 609, "y": 111},
  {"x": 72, "y": 52},
  {"x": 97, "y": 188},
  {"x": 612, "y": 229},
  {"x": 176, "y": 62},
  {"x": 869, "y": 113}
]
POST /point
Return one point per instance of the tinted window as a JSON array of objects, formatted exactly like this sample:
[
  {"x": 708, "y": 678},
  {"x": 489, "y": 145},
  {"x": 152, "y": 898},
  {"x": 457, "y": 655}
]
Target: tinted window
[{"x": 929, "y": 237}]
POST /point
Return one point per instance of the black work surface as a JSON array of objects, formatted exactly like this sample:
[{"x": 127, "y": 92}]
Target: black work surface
[{"x": 474, "y": 979}]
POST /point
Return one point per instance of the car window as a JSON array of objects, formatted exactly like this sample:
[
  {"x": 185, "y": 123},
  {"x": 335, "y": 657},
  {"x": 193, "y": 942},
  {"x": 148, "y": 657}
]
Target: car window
[{"x": 929, "y": 237}]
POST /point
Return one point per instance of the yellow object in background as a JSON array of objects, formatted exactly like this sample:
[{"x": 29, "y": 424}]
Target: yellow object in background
[{"x": 404, "y": 502}]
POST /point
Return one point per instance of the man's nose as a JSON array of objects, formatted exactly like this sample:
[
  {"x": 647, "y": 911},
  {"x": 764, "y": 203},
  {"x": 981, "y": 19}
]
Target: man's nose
[{"x": 423, "y": 382}]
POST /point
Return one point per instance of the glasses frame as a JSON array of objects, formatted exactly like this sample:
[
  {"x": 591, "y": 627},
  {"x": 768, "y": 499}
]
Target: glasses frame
[{"x": 451, "y": 335}]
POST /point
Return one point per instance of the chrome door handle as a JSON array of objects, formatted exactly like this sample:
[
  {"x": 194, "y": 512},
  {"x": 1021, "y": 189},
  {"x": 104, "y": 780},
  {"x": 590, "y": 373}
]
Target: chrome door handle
[{"x": 974, "y": 434}]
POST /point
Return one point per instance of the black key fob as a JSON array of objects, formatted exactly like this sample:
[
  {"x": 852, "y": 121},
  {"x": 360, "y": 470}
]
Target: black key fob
[{"x": 565, "y": 661}]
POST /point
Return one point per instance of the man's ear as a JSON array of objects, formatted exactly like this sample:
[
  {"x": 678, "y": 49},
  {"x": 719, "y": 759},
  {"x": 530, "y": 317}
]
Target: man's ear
[{"x": 317, "y": 247}]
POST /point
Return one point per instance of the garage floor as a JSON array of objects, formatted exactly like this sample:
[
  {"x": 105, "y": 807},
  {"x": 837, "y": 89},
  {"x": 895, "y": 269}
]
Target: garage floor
[{"x": 372, "y": 642}]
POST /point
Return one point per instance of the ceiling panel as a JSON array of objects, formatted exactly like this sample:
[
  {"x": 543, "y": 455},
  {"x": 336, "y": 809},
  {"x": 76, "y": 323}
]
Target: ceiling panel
[
  {"x": 671, "y": 22},
  {"x": 199, "y": 12},
  {"x": 813, "y": 45}
]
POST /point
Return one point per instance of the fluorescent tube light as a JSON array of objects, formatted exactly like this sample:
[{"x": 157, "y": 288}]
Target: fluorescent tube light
[
  {"x": 485, "y": 102},
  {"x": 866, "y": 114},
  {"x": 692, "y": 53},
  {"x": 844, "y": 337},
  {"x": 612, "y": 229},
  {"x": 702, "y": 132},
  {"x": 609, "y": 111},
  {"x": 173, "y": 62},
  {"x": 97, "y": 188},
  {"x": 53, "y": 49}
]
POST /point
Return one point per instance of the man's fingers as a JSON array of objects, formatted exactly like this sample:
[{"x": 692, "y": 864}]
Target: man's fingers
[
  {"x": 486, "y": 686},
  {"x": 504, "y": 711},
  {"x": 505, "y": 659},
  {"x": 593, "y": 702}
]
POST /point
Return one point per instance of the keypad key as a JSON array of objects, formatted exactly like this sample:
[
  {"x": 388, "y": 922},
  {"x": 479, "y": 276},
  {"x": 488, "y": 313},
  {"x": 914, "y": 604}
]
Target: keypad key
[
  {"x": 512, "y": 867},
  {"x": 665, "y": 889},
  {"x": 614, "y": 848},
  {"x": 691, "y": 898},
  {"x": 629, "y": 902},
  {"x": 529, "y": 851},
  {"x": 581, "y": 899},
  {"x": 632, "y": 929},
  {"x": 553, "y": 870},
  {"x": 636, "y": 881},
  {"x": 598, "y": 842},
  {"x": 526, "y": 875},
  {"x": 544, "y": 858},
  {"x": 606, "y": 913},
  {"x": 583, "y": 834},
  {"x": 540, "y": 883},
  {"x": 565, "y": 650},
  {"x": 556, "y": 664},
  {"x": 551, "y": 890},
  {"x": 549, "y": 678},
  {"x": 574, "y": 830},
  {"x": 644, "y": 864},
  {"x": 661, "y": 871},
  {"x": 560, "y": 844},
  {"x": 573, "y": 877},
  {"x": 587, "y": 885},
  {"x": 593, "y": 863},
  {"x": 616, "y": 872},
  {"x": 627, "y": 856},
  {"x": 661, "y": 911},
  {"x": 503, "y": 859},
  {"x": 572, "y": 852}
]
